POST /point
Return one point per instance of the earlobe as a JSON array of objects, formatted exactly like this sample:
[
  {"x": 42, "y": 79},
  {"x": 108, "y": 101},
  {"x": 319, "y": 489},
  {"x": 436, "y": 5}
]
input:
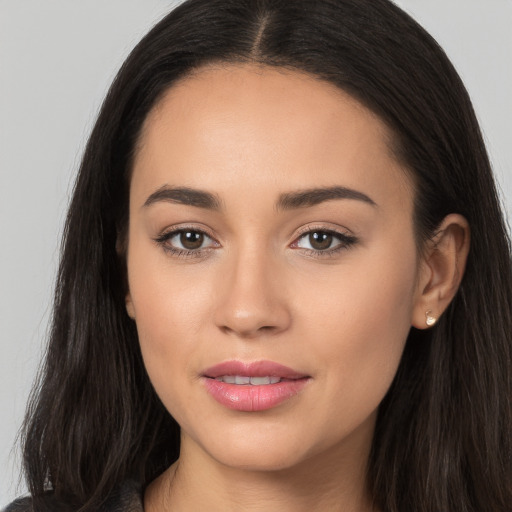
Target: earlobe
[
  {"x": 442, "y": 269},
  {"x": 121, "y": 253},
  {"x": 129, "y": 307},
  {"x": 430, "y": 320}
]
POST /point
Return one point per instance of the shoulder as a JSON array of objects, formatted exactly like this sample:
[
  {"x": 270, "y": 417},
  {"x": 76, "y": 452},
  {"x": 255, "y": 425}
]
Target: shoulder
[
  {"x": 126, "y": 498},
  {"x": 19, "y": 505}
]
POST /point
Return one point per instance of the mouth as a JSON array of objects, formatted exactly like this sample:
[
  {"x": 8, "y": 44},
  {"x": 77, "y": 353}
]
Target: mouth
[
  {"x": 252, "y": 387},
  {"x": 242, "y": 380}
]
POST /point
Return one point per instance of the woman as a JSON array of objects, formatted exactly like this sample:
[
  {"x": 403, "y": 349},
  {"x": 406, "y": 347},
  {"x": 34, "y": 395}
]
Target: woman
[{"x": 286, "y": 280}]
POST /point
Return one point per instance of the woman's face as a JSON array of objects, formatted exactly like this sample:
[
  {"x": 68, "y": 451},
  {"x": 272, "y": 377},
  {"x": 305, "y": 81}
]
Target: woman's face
[{"x": 270, "y": 227}]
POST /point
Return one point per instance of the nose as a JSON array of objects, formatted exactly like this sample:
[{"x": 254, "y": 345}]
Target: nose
[{"x": 252, "y": 300}]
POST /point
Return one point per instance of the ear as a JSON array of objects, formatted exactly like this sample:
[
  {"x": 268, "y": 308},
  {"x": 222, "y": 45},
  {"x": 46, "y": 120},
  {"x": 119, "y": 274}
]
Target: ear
[
  {"x": 121, "y": 250},
  {"x": 442, "y": 267},
  {"x": 129, "y": 306}
]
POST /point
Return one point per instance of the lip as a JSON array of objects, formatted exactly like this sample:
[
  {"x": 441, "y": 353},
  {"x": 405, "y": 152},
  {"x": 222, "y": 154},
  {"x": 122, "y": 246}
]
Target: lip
[
  {"x": 254, "y": 369},
  {"x": 253, "y": 398}
]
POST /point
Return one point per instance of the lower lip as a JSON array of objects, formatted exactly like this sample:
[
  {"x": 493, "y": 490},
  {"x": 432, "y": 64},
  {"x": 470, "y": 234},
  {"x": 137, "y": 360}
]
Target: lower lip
[{"x": 249, "y": 398}]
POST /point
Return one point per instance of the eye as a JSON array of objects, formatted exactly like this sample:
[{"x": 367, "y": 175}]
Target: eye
[
  {"x": 185, "y": 242},
  {"x": 188, "y": 240},
  {"x": 318, "y": 241},
  {"x": 324, "y": 241}
]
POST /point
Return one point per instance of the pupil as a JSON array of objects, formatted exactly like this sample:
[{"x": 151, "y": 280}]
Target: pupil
[
  {"x": 191, "y": 239},
  {"x": 320, "y": 240}
]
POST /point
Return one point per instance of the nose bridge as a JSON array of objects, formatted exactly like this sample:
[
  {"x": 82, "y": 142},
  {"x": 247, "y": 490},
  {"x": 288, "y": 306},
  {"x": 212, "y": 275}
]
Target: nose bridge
[{"x": 253, "y": 300}]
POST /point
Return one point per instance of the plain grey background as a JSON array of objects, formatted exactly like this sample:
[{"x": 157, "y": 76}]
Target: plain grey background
[{"x": 57, "y": 59}]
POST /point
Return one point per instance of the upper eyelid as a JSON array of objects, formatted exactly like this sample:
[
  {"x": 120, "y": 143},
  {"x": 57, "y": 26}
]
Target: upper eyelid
[
  {"x": 172, "y": 230},
  {"x": 341, "y": 231}
]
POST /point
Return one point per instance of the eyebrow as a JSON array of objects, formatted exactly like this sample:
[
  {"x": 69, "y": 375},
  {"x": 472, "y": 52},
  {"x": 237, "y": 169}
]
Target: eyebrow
[
  {"x": 314, "y": 196},
  {"x": 287, "y": 201},
  {"x": 184, "y": 195}
]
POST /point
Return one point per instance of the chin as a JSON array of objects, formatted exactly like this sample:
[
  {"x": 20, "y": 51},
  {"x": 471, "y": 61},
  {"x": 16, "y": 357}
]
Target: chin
[
  {"x": 267, "y": 459},
  {"x": 255, "y": 451}
]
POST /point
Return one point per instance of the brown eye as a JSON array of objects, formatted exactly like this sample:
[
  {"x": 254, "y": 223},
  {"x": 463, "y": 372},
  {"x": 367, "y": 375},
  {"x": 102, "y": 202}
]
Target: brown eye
[
  {"x": 324, "y": 241},
  {"x": 320, "y": 240},
  {"x": 186, "y": 241},
  {"x": 191, "y": 240}
]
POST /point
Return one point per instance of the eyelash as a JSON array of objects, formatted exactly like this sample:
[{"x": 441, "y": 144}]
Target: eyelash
[
  {"x": 163, "y": 241},
  {"x": 345, "y": 242}
]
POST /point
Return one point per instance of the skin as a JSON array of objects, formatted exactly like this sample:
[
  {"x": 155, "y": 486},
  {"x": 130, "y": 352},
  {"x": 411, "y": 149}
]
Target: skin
[{"x": 257, "y": 289}]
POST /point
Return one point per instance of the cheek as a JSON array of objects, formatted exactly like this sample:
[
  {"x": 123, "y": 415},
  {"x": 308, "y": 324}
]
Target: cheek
[
  {"x": 170, "y": 307},
  {"x": 358, "y": 330}
]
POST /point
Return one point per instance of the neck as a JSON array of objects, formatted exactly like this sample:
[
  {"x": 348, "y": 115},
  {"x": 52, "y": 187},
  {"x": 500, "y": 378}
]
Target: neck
[{"x": 333, "y": 481}]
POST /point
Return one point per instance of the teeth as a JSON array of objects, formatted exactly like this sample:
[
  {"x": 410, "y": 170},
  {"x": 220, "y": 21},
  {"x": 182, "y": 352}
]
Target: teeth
[
  {"x": 257, "y": 381},
  {"x": 242, "y": 379}
]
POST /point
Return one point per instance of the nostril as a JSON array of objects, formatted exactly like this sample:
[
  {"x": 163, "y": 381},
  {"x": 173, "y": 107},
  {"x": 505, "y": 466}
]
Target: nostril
[{"x": 248, "y": 331}]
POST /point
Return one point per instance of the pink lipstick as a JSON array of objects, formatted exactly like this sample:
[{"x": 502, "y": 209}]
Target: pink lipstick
[{"x": 254, "y": 386}]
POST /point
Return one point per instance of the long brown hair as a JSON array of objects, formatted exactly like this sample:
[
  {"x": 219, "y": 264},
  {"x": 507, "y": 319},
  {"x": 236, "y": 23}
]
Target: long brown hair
[{"x": 443, "y": 440}]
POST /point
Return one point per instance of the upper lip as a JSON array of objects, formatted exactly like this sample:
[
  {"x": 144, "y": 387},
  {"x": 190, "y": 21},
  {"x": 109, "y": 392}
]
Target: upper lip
[{"x": 253, "y": 369}]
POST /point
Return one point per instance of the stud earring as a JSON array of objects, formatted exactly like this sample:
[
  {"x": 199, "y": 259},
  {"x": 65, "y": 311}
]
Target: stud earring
[{"x": 429, "y": 319}]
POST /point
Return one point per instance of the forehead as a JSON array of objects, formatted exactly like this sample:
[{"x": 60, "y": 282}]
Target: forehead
[
  {"x": 224, "y": 91},
  {"x": 251, "y": 123}
]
